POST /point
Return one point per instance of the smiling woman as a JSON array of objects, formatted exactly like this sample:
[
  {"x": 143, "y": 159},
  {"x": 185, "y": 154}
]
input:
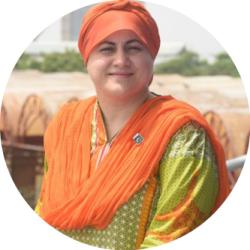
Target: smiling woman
[
  {"x": 121, "y": 69},
  {"x": 128, "y": 168}
]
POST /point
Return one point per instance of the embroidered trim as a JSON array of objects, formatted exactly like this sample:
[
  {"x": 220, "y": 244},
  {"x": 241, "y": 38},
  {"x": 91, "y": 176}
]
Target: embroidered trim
[
  {"x": 94, "y": 129},
  {"x": 146, "y": 206},
  {"x": 38, "y": 207}
]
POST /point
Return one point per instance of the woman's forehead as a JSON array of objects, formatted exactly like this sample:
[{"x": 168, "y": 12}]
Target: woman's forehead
[{"x": 124, "y": 36}]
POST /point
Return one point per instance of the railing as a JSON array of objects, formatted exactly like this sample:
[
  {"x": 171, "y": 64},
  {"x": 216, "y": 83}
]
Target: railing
[
  {"x": 234, "y": 167},
  {"x": 236, "y": 163},
  {"x": 25, "y": 162},
  {"x": 24, "y": 146}
]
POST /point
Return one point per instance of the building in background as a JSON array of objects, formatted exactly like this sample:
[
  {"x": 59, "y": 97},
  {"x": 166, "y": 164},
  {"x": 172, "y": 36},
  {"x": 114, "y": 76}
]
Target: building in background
[{"x": 71, "y": 23}]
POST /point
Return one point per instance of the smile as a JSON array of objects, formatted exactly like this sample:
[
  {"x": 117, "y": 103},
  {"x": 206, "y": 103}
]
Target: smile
[{"x": 121, "y": 74}]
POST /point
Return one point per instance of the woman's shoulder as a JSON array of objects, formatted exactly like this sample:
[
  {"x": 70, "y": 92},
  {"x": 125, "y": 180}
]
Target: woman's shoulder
[
  {"x": 191, "y": 130},
  {"x": 189, "y": 140}
]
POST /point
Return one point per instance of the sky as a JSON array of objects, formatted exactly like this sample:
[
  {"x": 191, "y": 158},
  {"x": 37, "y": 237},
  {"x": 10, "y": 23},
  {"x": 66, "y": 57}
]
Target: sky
[{"x": 175, "y": 27}]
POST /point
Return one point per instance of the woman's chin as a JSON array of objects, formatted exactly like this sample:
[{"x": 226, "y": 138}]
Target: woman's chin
[
  {"x": 118, "y": 89},
  {"x": 123, "y": 96},
  {"x": 118, "y": 94}
]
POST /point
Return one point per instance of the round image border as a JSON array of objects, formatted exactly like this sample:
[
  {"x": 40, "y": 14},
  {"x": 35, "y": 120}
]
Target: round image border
[{"x": 21, "y": 227}]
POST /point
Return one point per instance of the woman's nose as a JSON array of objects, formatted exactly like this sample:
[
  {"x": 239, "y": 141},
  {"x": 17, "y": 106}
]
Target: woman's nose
[{"x": 121, "y": 58}]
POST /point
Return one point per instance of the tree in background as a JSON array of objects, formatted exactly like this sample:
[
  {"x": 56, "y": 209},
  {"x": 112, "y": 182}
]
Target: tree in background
[
  {"x": 187, "y": 63},
  {"x": 223, "y": 65},
  {"x": 26, "y": 61},
  {"x": 68, "y": 61}
]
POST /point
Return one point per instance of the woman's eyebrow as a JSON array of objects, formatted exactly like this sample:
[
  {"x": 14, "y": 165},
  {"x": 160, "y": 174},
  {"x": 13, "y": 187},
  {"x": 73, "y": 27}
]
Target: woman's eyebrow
[
  {"x": 113, "y": 43},
  {"x": 107, "y": 42}
]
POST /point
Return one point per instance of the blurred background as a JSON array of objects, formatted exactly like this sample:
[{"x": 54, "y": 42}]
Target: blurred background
[{"x": 191, "y": 66}]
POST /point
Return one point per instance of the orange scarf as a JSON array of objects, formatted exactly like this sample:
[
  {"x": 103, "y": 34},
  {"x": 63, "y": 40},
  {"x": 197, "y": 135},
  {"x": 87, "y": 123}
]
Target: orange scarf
[{"x": 74, "y": 195}]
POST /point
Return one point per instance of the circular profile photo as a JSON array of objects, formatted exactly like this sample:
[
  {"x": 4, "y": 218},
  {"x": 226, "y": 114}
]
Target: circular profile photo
[{"x": 120, "y": 125}]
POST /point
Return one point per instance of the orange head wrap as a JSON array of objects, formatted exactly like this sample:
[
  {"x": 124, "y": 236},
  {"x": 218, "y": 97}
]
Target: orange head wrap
[{"x": 109, "y": 17}]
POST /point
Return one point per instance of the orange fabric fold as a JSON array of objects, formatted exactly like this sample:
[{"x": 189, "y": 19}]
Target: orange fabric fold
[
  {"x": 76, "y": 195},
  {"x": 106, "y": 18}
]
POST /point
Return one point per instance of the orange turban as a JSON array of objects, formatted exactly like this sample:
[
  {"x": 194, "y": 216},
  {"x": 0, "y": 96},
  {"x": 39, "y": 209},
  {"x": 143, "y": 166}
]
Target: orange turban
[{"x": 109, "y": 17}]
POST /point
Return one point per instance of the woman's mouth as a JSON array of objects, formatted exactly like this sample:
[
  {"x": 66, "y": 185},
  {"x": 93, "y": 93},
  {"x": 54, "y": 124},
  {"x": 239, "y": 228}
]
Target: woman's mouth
[{"x": 121, "y": 74}]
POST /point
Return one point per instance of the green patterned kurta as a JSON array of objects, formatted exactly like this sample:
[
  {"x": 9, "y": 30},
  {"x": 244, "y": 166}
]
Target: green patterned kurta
[{"x": 186, "y": 190}]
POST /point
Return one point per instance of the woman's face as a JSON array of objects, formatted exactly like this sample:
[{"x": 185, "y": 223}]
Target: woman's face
[{"x": 121, "y": 67}]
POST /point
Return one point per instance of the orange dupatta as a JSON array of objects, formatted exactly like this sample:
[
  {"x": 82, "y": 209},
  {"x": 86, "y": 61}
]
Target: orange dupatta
[{"x": 74, "y": 195}]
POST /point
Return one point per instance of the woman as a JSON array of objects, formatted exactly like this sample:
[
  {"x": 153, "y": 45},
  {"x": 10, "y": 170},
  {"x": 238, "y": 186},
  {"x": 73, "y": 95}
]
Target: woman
[{"x": 128, "y": 169}]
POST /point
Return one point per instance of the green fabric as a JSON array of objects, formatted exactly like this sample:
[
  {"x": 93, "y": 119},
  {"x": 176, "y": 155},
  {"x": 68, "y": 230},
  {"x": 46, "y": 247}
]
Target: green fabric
[
  {"x": 121, "y": 232},
  {"x": 187, "y": 151}
]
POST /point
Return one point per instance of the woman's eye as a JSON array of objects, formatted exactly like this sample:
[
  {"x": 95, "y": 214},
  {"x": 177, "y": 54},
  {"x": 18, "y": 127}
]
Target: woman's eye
[
  {"x": 134, "y": 48},
  {"x": 107, "y": 49}
]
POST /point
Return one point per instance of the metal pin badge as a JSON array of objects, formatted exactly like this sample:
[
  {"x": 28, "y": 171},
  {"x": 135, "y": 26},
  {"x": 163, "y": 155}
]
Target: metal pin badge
[{"x": 138, "y": 138}]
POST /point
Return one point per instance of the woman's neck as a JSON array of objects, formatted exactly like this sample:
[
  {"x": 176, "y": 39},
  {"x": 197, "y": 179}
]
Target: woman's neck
[{"x": 116, "y": 114}]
